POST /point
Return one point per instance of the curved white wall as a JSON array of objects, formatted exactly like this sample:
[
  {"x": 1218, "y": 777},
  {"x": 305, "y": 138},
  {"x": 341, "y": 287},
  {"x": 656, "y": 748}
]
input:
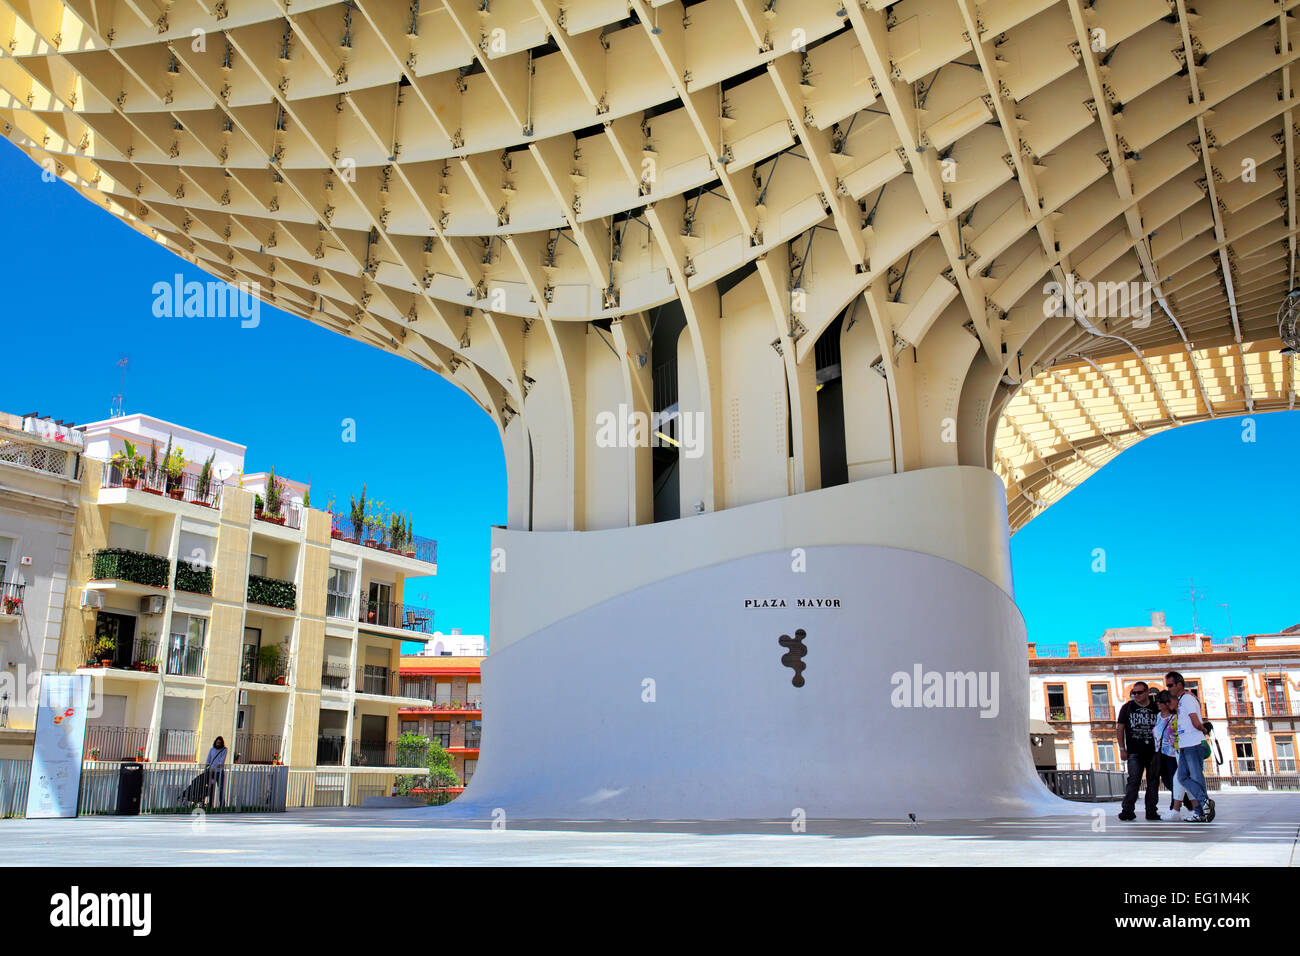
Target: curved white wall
[{"x": 649, "y": 688}]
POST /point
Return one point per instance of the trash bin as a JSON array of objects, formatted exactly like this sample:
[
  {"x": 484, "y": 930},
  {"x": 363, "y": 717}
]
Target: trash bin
[{"x": 130, "y": 784}]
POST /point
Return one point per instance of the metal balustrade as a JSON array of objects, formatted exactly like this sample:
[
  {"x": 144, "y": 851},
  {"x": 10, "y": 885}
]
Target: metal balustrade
[
  {"x": 140, "y": 654},
  {"x": 330, "y": 749},
  {"x": 335, "y": 676},
  {"x": 11, "y": 598},
  {"x": 366, "y": 753},
  {"x": 106, "y": 742},
  {"x": 255, "y": 669},
  {"x": 421, "y": 548},
  {"x": 156, "y": 481},
  {"x": 407, "y": 617},
  {"x": 179, "y": 746},
  {"x": 256, "y": 748}
]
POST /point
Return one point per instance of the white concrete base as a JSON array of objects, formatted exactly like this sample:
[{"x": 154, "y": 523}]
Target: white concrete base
[{"x": 677, "y": 698}]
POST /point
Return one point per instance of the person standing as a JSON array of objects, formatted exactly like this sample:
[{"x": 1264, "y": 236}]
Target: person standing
[
  {"x": 1190, "y": 738},
  {"x": 1165, "y": 733},
  {"x": 215, "y": 769},
  {"x": 1137, "y": 747}
]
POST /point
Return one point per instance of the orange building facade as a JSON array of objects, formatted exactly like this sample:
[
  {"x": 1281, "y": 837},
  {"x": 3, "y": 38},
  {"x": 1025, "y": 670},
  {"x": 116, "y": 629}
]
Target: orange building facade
[{"x": 454, "y": 717}]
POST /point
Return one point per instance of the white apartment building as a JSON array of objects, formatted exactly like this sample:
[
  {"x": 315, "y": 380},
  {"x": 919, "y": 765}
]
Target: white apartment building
[
  {"x": 1249, "y": 689},
  {"x": 40, "y": 463}
]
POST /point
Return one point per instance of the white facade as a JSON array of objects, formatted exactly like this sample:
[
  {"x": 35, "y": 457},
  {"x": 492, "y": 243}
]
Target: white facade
[
  {"x": 39, "y": 465},
  {"x": 455, "y": 644},
  {"x": 1249, "y": 689}
]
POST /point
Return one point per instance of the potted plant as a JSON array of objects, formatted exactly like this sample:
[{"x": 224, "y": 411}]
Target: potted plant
[
  {"x": 396, "y": 532},
  {"x": 129, "y": 462},
  {"x": 104, "y": 648},
  {"x": 94, "y": 753},
  {"x": 139, "y": 755},
  {"x": 409, "y": 541},
  {"x": 268, "y": 660},
  {"x": 258, "y": 506},
  {"x": 358, "y": 516},
  {"x": 203, "y": 484},
  {"x": 376, "y": 521},
  {"x": 151, "y": 477},
  {"x": 174, "y": 471},
  {"x": 13, "y": 605},
  {"x": 274, "y": 498},
  {"x": 275, "y": 760}
]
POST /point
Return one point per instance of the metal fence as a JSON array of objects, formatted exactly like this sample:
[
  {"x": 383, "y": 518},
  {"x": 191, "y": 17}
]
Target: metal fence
[
  {"x": 1261, "y": 781},
  {"x": 256, "y": 748},
  {"x": 115, "y": 743},
  {"x": 178, "y": 745},
  {"x": 14, "y": 775},
  {"x": 182, "y": 787},
  {"x": 408, "y": 617},
  {"x": 1085, "y": 785}
]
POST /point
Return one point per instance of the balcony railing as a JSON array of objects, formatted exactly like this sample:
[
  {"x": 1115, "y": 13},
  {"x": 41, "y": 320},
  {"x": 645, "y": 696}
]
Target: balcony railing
[
  {"x": 472, "y": 704},
  {"x": 335, "y": 676},
  {"x": 184, "y": 658},
  {"x": 115, "y": 743},
  {"x": 408, "y": 617},
  {"x": 422, "y": 549},
  {"x": 37, "y": 455},
  {"x": 1240, "y": 708},
  {"x": 258, "y": 669},
  {"x": 330, "y": 749},
  {"x": 272, "y": 592},
  {"x": 1058, "y": 713},
  {"x": 1101, "y": 712},
  {"x": 1275, "y": 706},
  {"x": 289, "y": 515},
  {"x": 11, "y": 598},
  {"x": 139, "y": 567},
  {"x": 472, "y": 741},
  {"x": 140, "y": 654},
  {"x": 257, "y": 748},
  {"x": 178, "y": 745},
  {"x": 367, "y": 753},
  {"x": 157, "y": 481},
  {"x": 379, "y": 681}
]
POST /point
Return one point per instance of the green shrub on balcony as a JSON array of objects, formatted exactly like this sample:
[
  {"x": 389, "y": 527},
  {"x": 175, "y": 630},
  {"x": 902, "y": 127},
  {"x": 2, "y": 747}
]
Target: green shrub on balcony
[
  {"x": 196, "y": 580},
  {"x": 119, "y": 564},
  {"x": 272, "y": 592}
]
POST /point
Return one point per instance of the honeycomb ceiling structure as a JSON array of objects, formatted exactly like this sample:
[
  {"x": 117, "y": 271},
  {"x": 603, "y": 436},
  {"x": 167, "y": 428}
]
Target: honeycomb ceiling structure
[{"x": 512, "y": 192}]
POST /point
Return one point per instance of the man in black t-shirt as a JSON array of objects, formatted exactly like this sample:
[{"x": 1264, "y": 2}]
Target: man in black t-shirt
[{"x": 1137, "y": 720}]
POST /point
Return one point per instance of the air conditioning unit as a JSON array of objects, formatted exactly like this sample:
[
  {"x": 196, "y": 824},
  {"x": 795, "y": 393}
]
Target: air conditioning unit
[
  {"x": 91, "y": 598},
  {"x": 152, "y": 604}
]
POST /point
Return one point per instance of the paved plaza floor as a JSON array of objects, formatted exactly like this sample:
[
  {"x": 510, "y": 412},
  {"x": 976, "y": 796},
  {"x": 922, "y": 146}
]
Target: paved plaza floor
[{"x": 1252, "y": 829}]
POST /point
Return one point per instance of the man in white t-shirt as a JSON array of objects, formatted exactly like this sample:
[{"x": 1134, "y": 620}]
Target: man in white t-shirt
[{"x": 1191, "y": 734}]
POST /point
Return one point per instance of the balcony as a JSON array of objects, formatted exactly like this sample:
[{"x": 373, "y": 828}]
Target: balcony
[
  {"x": 138, "y": 567},
  {"x": 338, "y": 604},
  {"x": 264, "y": 666},
  {"x": 11, "y": 599},
  {"x": 115, "y": 743},
  {"x": 1058, "y": 715},
  {"x": 379, "y": 753},
  {"x": 416, "y": 547},
  {"x": 407, "y": 617},
  {"x": 192, "y": 578},
  {"x": 158, "y": 482},
  {"x": 330, "y": 749},
  {"x": 1101, "y": 712},
  {"x": 289, "y": 516},
  {"x": 257, "y": 748},
  {"x": 272, "y": 592},
  {"x": 28, "y": 451},
  {"x": 184, "y": 659},
  {"x": 472, "y": 741},
  {"x": 140, "y": 654},
  {"x": 335, "y": 676},
  {"x": 179, "y": 746},
  {"x": 1277, "y": 706},
  {"x": 473, "y": 705},
  {"x": 1240, "y": 709}
]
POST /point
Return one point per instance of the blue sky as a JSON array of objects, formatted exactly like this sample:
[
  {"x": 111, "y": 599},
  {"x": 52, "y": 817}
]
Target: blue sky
[{"x": 1194, "y": 502}]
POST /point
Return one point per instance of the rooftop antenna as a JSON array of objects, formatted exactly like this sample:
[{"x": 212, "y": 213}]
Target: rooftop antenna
[
  {"x": 1229, "y": 611},
  {"x": 1193, "y": 596},
  {"x": 116, "y": 410}
]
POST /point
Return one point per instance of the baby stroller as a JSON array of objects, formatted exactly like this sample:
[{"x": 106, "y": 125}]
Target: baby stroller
[{"x": 196, "y": 794}]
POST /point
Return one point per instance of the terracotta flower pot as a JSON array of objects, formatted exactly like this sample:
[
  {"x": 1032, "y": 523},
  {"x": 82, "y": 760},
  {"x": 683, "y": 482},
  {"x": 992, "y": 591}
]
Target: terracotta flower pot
[
  {"x": 177, "y": 495},
  {"x": 130, "y": 482}
]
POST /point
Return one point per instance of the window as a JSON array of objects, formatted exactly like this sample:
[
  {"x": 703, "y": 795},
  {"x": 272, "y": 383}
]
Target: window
[
  {"x": 1056, "y": 706},
  {"x": 1107, "y": 758},
  {"x": 128, "y": 537},
  {"x": 1244, "y": 752},
  {"x": 442, "y": 692},
  {"x": 1237, "y": 704},
  {"x": 1285, "y": 749},
  {"x": 185, "y": 645},
  {"x": 1275, "y": 695},
  {"x": 1063, "y": 761},
  {"x": 197, "y": 550},
  {"x": 442, "y": 732},
  {"x": 470, "y": 767},
  {"x": 6, "y": 549},
  {"x": 257, "y": 565},
  {"x": 1099, "y": 697},
  {"x": 338, "y": 593},
  {"x": 474, "y": 693},
  {"x": 410, "y": 727},
  {"x": 473, "y": 732}
]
